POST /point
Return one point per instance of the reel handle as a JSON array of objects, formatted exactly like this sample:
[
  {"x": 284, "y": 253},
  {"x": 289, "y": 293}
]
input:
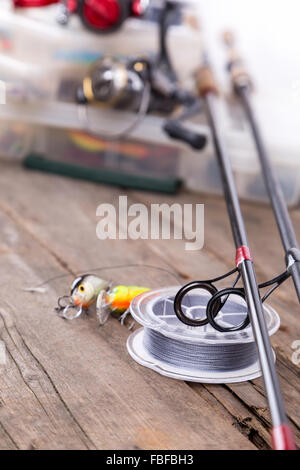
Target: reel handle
[{"x": 177, "y": 131}]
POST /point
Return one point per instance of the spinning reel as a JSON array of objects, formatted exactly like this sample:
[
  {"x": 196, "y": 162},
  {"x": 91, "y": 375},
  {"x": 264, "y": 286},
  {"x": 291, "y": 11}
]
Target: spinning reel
[
  {"x": 115, "y": 83},
  {"x": 139, "y": 84},
  {"x": 99, "y": 16},
  {"x": 120, "y": 83}
]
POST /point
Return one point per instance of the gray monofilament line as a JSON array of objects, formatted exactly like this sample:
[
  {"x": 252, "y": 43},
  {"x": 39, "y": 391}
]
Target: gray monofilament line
[
  {"x": 203, "y": 354},
  {"x": 219, "y": 357}
]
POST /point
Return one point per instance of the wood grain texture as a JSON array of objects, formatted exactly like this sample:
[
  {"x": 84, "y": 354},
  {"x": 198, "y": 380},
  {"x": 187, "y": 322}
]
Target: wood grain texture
[{"x": 72, "y": 385}]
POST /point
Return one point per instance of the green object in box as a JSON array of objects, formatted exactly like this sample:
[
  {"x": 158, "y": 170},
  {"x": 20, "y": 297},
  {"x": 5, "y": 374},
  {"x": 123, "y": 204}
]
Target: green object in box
[
  {"x": 138, "y": 165},
  {"x": 101, "y": 176}
]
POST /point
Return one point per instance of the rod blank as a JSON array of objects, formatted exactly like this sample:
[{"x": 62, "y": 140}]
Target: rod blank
[
  {"x": 242, "y": 85},
  {"x": 207, "y": 88}
]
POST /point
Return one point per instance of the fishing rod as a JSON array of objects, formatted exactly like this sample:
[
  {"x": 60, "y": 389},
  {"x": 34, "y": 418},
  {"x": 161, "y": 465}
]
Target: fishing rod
[
  {"x": 242, "y": 86},
  {"x": 281, "y": 434}
]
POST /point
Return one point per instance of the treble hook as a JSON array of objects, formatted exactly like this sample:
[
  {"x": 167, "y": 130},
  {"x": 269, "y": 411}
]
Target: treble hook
[{"x": 63, "y": 308}]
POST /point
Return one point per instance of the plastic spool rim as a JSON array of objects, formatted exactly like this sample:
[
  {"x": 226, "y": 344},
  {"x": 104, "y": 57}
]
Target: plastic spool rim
[{"x": 142, "y": 309}]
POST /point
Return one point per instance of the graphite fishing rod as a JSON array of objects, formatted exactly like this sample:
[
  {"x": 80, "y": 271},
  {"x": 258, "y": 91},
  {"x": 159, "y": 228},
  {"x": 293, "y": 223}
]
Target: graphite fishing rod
[
  {"x": 281, "y": 434},
  {"x": 242, "y": 86}
]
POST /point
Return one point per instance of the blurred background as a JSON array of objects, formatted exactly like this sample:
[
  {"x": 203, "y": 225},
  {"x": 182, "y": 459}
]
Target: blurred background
[
  {"x": 269, "y": 38},
  {"x": 48, "y": 59},
  {"x": 268, "y": 34}
]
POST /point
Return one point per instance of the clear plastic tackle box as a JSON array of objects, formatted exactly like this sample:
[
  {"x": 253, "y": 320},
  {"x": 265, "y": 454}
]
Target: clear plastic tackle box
[
  {"x": 38, "y": 49},
  {"x": 57, "y": 132},
  {"x": 36, "y": 57}
]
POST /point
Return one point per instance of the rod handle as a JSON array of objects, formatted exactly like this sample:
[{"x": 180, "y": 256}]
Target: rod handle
[
  {"x": 282, "y": 438},
  {"x": 205, "y": 81},
  {"x": 238, "y": 73}
]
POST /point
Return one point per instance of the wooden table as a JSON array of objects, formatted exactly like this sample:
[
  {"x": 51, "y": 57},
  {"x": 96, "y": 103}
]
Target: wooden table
[{"x": 70, "y": 385}]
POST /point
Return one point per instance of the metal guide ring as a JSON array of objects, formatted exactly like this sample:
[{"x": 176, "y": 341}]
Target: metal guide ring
[
  {"x": 185, "y": 290},
  {"x": 213, "y": 308}
]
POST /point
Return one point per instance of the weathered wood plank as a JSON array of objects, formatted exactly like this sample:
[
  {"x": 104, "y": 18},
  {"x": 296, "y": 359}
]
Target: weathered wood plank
[
  {"x": 52, "y": 236},
  {"x": 161, "y": 251},
  {"x": 103, "y": 400},
  {"x": 282, "y": 341},
  {"x": 244, "y": 418},
  {"x": 73, "y": 383}
]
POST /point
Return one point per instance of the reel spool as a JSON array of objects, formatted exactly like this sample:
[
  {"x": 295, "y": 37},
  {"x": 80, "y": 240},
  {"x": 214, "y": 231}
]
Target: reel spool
[
  {"x": 202, "y": 354},
  {"x": 115, "y": 83}
]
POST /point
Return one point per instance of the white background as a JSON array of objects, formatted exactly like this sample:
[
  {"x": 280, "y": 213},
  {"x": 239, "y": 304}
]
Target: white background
[
  {"x": 269, "y": 36},
  {"x": 268, "y": 33}
]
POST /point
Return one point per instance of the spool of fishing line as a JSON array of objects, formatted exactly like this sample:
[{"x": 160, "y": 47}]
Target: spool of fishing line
[{"x": 195, "y": 354}]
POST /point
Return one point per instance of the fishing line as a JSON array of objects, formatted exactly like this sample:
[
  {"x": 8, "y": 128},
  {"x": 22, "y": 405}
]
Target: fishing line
[
  {"x": 205, "y": 357},
  {"x": 141, "y": 114},
  {"x": 281, "y": 433},
  {"x": 106, "y": 268},
  {"x": 203, "y": 354}
]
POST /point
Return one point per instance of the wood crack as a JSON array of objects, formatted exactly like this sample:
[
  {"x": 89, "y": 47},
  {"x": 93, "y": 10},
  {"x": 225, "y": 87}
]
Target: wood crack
[
  {"x": 67, "y": 408},
  {"x": 24, "y": 226},
  {"x": 60, "y": 366},
  {"x": 32, "y": 376},
  {"x": 10, "y": 438},
  {"x": 244, "y": 425}
]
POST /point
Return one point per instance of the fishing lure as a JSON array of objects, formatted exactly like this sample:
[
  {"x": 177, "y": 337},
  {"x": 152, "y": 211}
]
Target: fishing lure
[
  {"x": 117, "y": 300},
  {"x": 89, "y": 289}
]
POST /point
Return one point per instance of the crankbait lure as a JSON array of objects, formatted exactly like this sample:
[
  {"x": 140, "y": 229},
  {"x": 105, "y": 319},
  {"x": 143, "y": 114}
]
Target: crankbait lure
[
  {"x": 84, "y": 293},
  {"x": 89, "y": 289},
  {"x": 117, "y": 300}
]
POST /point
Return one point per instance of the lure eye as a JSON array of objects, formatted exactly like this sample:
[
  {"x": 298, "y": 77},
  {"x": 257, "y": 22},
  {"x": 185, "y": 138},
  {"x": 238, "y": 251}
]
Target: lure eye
[{"x": 81, "y": 288}]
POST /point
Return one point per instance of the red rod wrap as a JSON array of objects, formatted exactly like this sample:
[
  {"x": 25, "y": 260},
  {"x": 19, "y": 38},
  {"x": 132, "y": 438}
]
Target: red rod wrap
[
  {"x": 33, "y": 3},
  {"x": 282, "y": 438},
  {"x": 242, "y": 254}
]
